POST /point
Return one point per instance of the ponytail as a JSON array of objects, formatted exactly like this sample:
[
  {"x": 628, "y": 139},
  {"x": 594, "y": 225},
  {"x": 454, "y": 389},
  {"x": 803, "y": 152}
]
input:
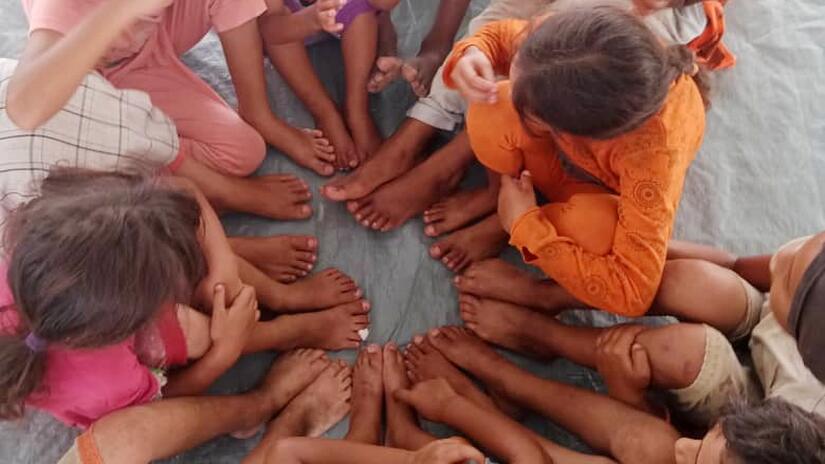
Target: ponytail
[
  {"x": 21, "y": 370},
  {"x": 682, "y": 60}
]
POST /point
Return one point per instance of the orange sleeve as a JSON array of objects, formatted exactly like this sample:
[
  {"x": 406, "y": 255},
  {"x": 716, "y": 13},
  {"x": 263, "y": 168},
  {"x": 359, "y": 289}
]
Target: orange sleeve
[
  {"x": 494, "y": 131},
  {"x": 498, "y": 40},
  {"x": 625, "y": 280}
]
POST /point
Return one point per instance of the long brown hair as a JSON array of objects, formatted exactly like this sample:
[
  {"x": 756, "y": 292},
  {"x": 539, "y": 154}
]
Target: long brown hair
[
  {"x": 595, "y": 71},
  {"x": 92, "y": 259}
]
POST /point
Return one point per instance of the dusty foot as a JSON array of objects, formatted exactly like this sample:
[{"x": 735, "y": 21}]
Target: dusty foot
[
  {"x": 365, "y": 134},
  {"x": 367, "y": 396},
  {"x": 275, "y": 196},
  {"x": 387, "y": 69},
  {"x": 322, "y": 404},
  {"x": 458, "y": 210},
  {"x": 419, "y": 71},
  {"x": 402, "y": 423},
  {"x": 325, "y": 289},
  {"x": 471, "y": 244},
  {"x": 337, "y": 328},
  {"x": 346, "y": 155},
  {"x": 498, "y": 280},
  {"x": 507, "y": 325},
  {"x": 291, "y": 373},
  {"x": 308, "y": 148},
  {"x": 285, "y": 258},
  {"x": 463, "y": 348}
]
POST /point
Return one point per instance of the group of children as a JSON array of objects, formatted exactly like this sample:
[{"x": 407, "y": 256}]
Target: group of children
[{"x": 123, "y": 299}]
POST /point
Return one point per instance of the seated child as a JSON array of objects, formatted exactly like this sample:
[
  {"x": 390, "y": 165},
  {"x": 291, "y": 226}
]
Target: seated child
[
  {"x": 605, "y": 119},
  {"x": 356, "y": 24},
  {"x": 769, "y": 430},
  {"x": 102, "y": 272}
]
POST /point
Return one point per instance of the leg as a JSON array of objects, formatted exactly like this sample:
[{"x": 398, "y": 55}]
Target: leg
[
  {"x": 403, "y": 430},
  {"x": 395, "y": 203},
  {"x": 367, "y": 396},
  {"x": 394, "y": 158},
  {"x": 284, "y": 258},
  {"x": 358, "y": 45},
  {"x": 605, "y": 424},
  {"x": 458, "y": 210},
  {"x": 314, "y": 411},
  {"x": 475, "y": 243}
]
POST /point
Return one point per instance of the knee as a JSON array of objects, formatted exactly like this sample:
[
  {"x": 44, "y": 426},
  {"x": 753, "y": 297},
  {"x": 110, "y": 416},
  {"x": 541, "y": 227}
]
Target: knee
[
  {"x": 677, "y": 353},
  {"x": 249, "y": 150},
  {"x": 674, "y": 276}
]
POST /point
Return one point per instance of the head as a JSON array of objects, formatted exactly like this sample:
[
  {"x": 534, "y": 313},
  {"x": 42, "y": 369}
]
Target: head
[
  {"x": 595, "y": 71},
  {"x": 91, "y": 261},
  {"x": 798, "y": 297},
  {"x": 775, "y": 432}
]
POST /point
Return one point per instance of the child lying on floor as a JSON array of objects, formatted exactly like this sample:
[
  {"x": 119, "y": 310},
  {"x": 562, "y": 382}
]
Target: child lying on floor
[
  {"x": 293, "y": 22},
  {"x": 103, "y": 271}
]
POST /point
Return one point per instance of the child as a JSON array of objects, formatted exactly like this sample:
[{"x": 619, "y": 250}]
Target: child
[
  {"x": 595, "y": 88},
  {"x": 356, "y": 24},
  {"x": 137, "y": 45},
  {"x": 769, "y": 431},
  {"x": 93, "y": 242}
]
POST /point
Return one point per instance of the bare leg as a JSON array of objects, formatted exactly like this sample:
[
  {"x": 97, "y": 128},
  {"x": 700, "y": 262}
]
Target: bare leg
[
  {"x": 277, "y": 196},
  {"x": 322, "y": 405},
  {"x": 358, "y": 46},
  {"x": 403, "y": 430},
  {"x": 607, "y": 425},
  {"x": 367, "y": 396},
  {"x": 475, "y": 243},
  {"x": 285, "y": 258},
  {"x": 388, "y": 65},
  {"x": 395, "y": 157},
  {"x": 394, "y": 203},
  {"x": 164, "y": 428},
  {"x": 756, "y": 270},
  {"x": 679, "y": 249}
]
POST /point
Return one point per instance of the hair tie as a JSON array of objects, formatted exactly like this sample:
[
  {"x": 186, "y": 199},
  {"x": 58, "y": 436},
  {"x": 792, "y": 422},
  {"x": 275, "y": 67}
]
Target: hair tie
[{"x": 36, "y": 343}]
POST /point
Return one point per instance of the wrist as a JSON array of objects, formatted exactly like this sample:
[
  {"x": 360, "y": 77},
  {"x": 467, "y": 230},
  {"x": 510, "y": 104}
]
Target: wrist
[{"x": 222, "y": 355}]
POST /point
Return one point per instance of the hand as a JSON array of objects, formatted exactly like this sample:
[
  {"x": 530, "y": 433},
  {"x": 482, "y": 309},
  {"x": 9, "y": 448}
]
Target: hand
[
  {"x": 326, "y": 12},
  {"x": 474, "y": 77},
  {"x": 231, "y": 327},
  {"x": 645, "y": 7},
  {"x": 515, "y": 198},
  {"x": 623, "y": 363},
  {"x": 430, "y": 398},
  {"x": 449, "y": 451},
  {"x": 142, "y": 8}
]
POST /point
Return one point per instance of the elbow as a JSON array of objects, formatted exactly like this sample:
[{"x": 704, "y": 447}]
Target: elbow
[{"x": 24, "y": 115}]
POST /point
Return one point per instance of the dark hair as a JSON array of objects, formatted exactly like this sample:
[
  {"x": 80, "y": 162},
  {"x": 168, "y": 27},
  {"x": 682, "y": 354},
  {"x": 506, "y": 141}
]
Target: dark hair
[
  {"x": 774, "y": 432},
  {"x": 92, "y": 260},
  {"x": 595, "y": 71}
]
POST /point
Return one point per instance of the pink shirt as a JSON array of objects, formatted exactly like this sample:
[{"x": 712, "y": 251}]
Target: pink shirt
[{"x": 81, "y": 386}]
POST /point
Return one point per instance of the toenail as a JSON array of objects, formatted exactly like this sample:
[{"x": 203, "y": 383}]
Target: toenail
[
  {"x": 457, "y": 280},
  {"x": 372, "y": 348},
  {"x": 363, "y": 334},
  {"x": 359, "y": 293}
]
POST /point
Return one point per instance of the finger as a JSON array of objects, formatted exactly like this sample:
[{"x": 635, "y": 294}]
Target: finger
[
  {"x": 485, "y": 69},
  {"x": 404, "y": 396},
  {"x": 507, "y": 182},
  {"x": 462, "y": 453},
  {"x": 219, "y": 298},
  {"x": 246, "y": 298},
  {"x": 526, "y": 181},
  {"x": 640, "y": 360}
]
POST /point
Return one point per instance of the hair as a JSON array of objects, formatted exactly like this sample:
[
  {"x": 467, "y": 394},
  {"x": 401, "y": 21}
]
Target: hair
[
  {"x": 774, "y": 432},
  {"x": 596, "y": 71},
  {"x": 92, "y": 259}
]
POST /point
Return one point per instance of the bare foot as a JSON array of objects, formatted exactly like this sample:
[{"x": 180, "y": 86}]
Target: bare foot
[
  {"x": 463, "y": 348},
  {"x": 364, "y": 133},
  {"x": 322, "y": 404},
  {"x": 346, "y": 156},
  {"x": 403, "y": 430},
  {"x": 367, "y": 396},
  {"x": 507, "y": 325},
  {"x": 498, "y": 280},
  {"x": 325, "y": 289},
  {"x": 339, "y": 328},
  {"x": 394, "y": 158},
  {"x": 275, "y": 196},
  {"x": 291, "y": 373},
  {"x": 458, "y": 210},
  {"x": 419, "y": 71},
  {"x": 308, "y": 148},
  {"x": 387, "y": 69},
  {"x": 285, "y": 258},
  {"x": 471, "y": 244}
]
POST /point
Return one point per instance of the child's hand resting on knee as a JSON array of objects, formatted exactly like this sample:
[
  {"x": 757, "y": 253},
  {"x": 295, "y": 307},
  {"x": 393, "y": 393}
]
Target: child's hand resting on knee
[
  {"x": 515, "y": 198},
  {"x": 474, "y": 77},
  {"x": 430, "y": 398},
  {"x": 624, "y": 365},
  {"x": 449, "y": 451},
  {"x": 326, "y": 12},
  {"x": 231, "y": 327}
]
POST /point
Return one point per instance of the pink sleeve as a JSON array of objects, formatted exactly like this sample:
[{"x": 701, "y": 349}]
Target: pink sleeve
[
  {"x": 56, "y": 15},
  {"x": 229, "y": 14}
]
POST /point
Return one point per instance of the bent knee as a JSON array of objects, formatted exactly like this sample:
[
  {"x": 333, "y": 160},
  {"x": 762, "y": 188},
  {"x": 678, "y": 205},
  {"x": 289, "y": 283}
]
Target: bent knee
[
  {"x": 249, "y": 149},
  {"x": 676, "y": 353}
]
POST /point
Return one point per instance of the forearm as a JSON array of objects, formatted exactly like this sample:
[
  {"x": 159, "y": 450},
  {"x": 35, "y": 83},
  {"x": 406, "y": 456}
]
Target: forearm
[
  {"x": 196, "y": 378},
  {"x": 53, "y": 66},
  {"x": 323, "y": 451},
  {"x": 495, "y": 432},
  {"x": 447, "y": 21},
  {"x": 284, "y": 26},
  {"x": 756, "y": 270}
]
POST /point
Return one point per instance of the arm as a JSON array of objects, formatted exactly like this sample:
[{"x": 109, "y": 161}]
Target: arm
[
  {"x": 300, "y": 450},
  {"x": 498, "y": 41},
  {"x": 53, "y": 65},
  {"x": 281, "y": 25}
]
